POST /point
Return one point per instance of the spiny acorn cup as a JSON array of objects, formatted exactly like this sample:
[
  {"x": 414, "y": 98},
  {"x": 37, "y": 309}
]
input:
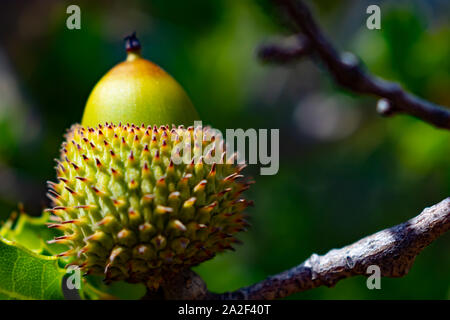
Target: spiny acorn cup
[{"x": 129, "y": 212}]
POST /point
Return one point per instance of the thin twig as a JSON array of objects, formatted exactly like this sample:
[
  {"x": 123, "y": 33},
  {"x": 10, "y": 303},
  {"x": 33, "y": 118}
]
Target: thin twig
[
  {"x": 285, "y": 53},
  {"x": 393, "y": 250},
  {"x": 347, "y": 72}
]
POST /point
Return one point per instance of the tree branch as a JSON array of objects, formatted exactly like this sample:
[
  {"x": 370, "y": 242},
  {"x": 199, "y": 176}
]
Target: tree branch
[
  {"x": 347, "y": 72},
  {"x": 285, "y": 53},
  {"x": 393, "y": 250}
]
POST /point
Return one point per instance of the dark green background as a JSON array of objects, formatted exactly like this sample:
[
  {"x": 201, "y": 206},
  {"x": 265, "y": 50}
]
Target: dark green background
[{"x": 344, "y": 171}]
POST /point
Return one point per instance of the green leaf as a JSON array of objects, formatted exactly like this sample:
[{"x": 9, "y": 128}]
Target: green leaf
[
  {"x": 26, "y": 275},
  {"x": 32, "y": 233}
]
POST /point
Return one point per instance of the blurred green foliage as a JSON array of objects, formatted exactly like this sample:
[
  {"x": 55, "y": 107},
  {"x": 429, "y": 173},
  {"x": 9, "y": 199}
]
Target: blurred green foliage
[{"x": 330, "y": 190}]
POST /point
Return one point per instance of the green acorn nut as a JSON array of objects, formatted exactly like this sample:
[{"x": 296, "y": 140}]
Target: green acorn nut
[
  {"x": 138, "y": 91},
  {"x": 130, "y": 212}
]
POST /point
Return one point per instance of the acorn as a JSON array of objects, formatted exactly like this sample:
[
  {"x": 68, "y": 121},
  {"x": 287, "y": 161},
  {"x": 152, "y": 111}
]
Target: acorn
[
  {"x": 138, "y": 91},
  {"x": 140, "y": 203}
]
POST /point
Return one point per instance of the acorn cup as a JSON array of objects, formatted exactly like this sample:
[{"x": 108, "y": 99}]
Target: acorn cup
[{"x": 131, "y": 202}]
